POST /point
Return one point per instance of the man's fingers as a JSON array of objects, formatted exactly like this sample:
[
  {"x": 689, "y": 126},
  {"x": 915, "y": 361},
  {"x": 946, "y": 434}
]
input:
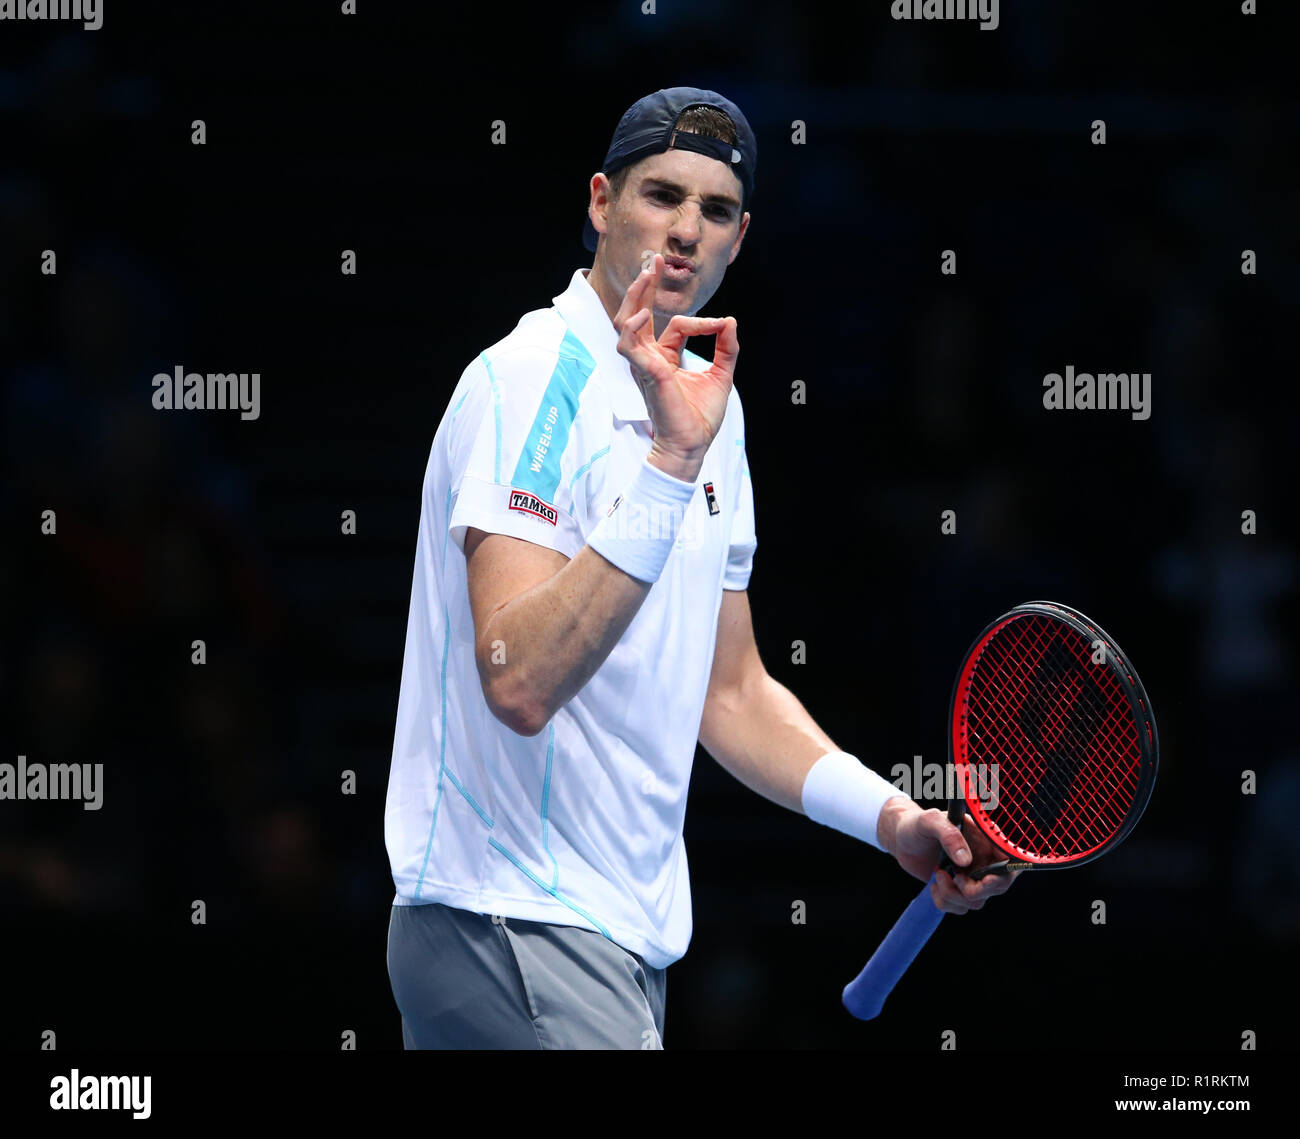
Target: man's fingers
[
  {"x": 655, "y": 269},
  {"x": 636, "y": 320},
  {"x": 970, "y": 890},
  {"x": 647, "y": 283},
  {"x": 946, "y": 895},
  {"x": 633, "y": 345},
  {"x": 1000, "y": 883},
  {"x": 630, "y": 343},
  {"x": 695, "y": 325},
  {"x": 640, "y": 293},
  {"x": 681, "y": 328},
  {"x": 958, "y": 893},
  {"x": 976, "y": 893},
  {"x": 727, "y": 347}
]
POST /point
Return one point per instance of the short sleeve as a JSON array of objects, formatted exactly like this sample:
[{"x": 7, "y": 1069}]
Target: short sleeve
[
  {"x": 744, "y": 540},
  {"x": 510, "y": 447}
]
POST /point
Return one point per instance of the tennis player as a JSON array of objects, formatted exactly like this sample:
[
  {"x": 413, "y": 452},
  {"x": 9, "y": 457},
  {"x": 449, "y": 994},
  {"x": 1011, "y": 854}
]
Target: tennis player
[{"x": 579, "y": 620}]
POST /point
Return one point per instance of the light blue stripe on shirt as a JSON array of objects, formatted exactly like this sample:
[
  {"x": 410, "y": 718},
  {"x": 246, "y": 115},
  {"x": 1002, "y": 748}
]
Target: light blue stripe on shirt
[{"x": 538, "y": 469}]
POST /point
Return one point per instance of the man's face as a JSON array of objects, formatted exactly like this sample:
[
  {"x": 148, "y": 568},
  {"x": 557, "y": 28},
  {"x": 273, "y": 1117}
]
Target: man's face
[{"x": 683, "y": 205}]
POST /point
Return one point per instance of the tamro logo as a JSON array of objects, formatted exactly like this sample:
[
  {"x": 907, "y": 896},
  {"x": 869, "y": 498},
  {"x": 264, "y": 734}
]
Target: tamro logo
[{"x": 527, "y": 503}]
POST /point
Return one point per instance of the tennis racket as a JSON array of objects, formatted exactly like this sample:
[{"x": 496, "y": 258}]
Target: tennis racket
[{"x": 1048, "y": 697}]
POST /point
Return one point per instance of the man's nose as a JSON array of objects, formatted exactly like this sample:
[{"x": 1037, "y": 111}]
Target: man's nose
[{"x": 686, "y": 225}]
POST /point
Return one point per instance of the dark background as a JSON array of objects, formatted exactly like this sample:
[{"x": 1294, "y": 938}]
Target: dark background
[{"x": 924, "y": 393}]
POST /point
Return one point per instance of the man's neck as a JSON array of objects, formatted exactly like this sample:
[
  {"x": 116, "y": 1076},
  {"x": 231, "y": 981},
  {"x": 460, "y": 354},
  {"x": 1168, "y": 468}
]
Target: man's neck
[{"x": 599, "y": 286}]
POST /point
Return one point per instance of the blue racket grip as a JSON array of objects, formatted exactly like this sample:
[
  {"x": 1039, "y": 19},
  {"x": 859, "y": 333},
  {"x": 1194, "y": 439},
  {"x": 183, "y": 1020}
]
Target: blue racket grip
[{"x": 865, "y": 995}]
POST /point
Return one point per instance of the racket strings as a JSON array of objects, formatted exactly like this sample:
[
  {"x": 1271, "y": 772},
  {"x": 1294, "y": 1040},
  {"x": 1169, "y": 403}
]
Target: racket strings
[
  {"x": 1064, "y": 809},
  {"x": 1041, "y": 774},
  {"x": 1065, "y": 799},
  {"x": 1062, "y": 732},
  {"x": 1087, "y": 799}
]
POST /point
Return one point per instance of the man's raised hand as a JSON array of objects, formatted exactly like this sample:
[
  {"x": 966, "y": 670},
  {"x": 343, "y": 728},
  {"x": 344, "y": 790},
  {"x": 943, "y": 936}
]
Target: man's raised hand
[{"x": 685, "y": 407}]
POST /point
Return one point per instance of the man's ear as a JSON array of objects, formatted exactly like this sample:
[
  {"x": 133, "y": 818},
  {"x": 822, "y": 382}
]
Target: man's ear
[
  {"x": 740, "y": 236},
  {"x": 601, "y": 198}
]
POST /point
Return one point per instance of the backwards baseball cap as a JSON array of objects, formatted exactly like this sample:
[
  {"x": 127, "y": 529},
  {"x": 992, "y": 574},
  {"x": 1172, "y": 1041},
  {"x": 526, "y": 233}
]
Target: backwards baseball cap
[{"x": 647, "y": 128}]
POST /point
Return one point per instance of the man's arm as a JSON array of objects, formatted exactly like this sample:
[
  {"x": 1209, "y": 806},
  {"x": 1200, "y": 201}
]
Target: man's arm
[
  {"x": 758, "y": 731},
  {"x": 542, "y": 624},
  {"x": 753, "y": 725}
]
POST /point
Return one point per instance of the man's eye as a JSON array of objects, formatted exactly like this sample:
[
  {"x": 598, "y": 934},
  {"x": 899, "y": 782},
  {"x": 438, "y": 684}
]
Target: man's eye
[{"x": 719, "y": 213}]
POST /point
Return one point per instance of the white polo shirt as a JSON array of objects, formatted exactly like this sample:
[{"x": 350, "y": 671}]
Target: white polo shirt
[{"x": 581, "y": 824}]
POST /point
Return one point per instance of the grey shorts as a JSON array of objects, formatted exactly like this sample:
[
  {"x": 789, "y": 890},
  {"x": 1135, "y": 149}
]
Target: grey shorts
[{"x": 464, "y": 980}]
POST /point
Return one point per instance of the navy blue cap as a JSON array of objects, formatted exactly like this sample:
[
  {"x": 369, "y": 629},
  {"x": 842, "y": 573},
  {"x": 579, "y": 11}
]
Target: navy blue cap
[{"x": 647, "y": 127}]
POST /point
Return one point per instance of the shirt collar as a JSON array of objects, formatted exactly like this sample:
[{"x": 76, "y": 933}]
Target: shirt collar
[{"x": 586, "y": 317}]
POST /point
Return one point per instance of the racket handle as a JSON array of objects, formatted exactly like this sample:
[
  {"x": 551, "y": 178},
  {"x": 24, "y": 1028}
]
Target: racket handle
[{"x": 865, "y": 995}]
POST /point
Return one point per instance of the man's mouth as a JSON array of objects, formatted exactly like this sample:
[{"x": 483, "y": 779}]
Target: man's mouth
[{"x": 678, "y": 268}]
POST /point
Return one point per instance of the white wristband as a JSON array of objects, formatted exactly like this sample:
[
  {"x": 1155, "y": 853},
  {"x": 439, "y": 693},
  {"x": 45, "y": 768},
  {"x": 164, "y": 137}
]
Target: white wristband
[
  {"x": 639, "y": 532},
  {"x": 840, "y": 791}
]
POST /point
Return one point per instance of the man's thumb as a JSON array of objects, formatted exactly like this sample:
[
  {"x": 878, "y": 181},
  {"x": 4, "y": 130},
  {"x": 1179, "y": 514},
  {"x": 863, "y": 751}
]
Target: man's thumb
[{"x": 955, "y": 845}]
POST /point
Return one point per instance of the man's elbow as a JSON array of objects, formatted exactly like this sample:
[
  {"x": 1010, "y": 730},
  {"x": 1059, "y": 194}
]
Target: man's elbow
[{"x": 515, "y": 707}]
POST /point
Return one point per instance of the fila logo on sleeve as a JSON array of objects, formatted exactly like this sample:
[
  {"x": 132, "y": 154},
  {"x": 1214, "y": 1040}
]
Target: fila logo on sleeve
[{"x": 527, "y": 503}]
